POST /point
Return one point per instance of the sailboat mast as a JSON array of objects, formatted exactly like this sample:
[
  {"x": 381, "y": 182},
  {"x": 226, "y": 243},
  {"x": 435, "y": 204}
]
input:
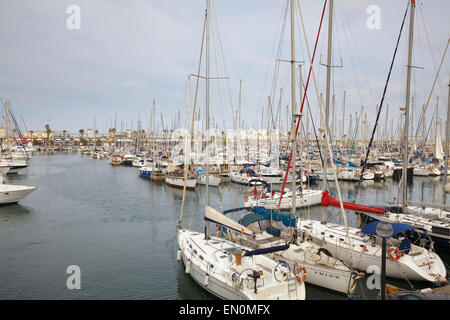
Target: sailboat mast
[
  {"x": 408, "y": 93},
  {"x": 447, "y": 133},
  {"x": 327, "y": 97},
  {"x": 343, "y": 119},
  {"x": 207, "y": 111},
  {"x": 95, "y": 133},
  {"x": 294, "y": 115},
  {"x": 240, "y": 101}
]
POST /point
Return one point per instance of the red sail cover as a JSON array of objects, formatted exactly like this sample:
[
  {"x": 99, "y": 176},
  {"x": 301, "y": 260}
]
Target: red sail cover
[{"x": 328, "y": 200}]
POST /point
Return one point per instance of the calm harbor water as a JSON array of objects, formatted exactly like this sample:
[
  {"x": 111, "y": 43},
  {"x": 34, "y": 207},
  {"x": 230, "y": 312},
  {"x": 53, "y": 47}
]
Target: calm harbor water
[{"x": 119, "y": 229}]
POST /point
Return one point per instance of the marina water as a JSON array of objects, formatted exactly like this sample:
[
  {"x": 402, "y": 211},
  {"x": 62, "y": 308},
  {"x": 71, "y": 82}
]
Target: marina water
[{"x": 119, "y": 229}]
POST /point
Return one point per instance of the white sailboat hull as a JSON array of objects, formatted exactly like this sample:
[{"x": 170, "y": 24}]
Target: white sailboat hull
[
  {"x": 199, "y": 254},
  {"x": 412, "y": 267},
  {"x": 307, "y": 199},
  {"x": 214, "y": 181},
  {"x": 178, "y": 182},
  {"x": 13, "y": 194}
]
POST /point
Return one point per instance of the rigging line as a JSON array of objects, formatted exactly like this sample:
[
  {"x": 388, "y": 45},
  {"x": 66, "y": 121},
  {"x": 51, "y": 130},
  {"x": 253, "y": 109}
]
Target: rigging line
[
  {"x": 303, "y": 103},
  {"x": 314, "y": 128},
  {"x": 319, "y": 98},
  {"x": 428, "y": 37},
  {"x": 217, "y": 85},
  {"x": 277, "y": 62},
  {"x": 432, "y": 88},
  {"x": 346, "y": 26},
  {"x": 225, "y": 66},
  {"x": 382, "y": 98},
  {"x": 429, "y": 127},
  {"x": 282, "y": 21}
]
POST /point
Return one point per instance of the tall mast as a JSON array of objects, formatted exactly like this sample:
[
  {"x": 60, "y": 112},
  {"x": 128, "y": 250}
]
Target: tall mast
[
  {"x": 207, "y": 111},
  {"x": 408, "y": 92},
  {"x": 294, "y": 113},
  {"x": 240, "y": 101},
  {"x": 95, "y": 134},
  {"x": 343, "y": 119},
  {"x": 327, "y": 97},
  {"x": 447, "y": 133},
  {"x": 187, "y": 157},
  {"x": 115, "y": 128},
  {"x": 153, "y": 129}
]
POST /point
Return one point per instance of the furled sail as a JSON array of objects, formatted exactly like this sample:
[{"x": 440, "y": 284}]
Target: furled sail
[
  {"x": 216, "y": 217},
  {"x": 328, "y": 200},
  {"x": 439, "y": 154}
]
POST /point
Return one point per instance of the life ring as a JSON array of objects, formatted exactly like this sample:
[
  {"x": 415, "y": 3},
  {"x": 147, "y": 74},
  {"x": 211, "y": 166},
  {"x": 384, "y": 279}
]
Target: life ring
[
  {"x": 246, "y": 197},
  {"x": 297, "y": 274},
  {"x": 398, "y": 254}
]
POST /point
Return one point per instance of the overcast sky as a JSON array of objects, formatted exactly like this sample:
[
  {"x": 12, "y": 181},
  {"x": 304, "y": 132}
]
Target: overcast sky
[{"x": 128, "y": 53}]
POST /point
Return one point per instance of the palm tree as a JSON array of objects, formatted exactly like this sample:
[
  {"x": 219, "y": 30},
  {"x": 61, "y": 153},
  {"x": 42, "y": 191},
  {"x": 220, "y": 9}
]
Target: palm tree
[
  {"x": 31, "y": 136},
  {"x": 48, "y": 131},
  {"x": 81, "y": 131},
  {"x": 64, "y": 138}
]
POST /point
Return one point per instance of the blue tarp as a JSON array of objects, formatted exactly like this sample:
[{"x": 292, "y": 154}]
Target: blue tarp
[
  {"x": 397, "y": 228},
  {"x": 286, "y": 218}
]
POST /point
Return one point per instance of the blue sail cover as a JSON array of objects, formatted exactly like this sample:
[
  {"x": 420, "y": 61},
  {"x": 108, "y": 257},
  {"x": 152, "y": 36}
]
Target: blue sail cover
[
  {"x": 397, "y": 228},
  {"x": 286, "y": 218},
  {"x": 266, "y": 250},
  {"x": 248, "y": 170},
  {"x": 351, "y": 164},
  {"x": 338, "y": 162}
]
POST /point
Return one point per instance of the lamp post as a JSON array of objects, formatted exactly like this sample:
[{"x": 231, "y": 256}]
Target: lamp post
[{"x": 384, "y": 230}]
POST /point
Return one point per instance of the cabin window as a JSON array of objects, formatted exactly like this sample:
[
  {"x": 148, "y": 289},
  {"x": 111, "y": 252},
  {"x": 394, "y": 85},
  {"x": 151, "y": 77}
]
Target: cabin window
[
  {"x": 201, "y": 257},
  {"x": 195, "y": 251},
  {"x": 331, "y": 236}
]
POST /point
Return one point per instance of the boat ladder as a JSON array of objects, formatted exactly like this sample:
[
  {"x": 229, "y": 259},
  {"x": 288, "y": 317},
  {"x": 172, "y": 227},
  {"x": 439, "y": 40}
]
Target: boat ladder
[{"x": 292, "y": 288}]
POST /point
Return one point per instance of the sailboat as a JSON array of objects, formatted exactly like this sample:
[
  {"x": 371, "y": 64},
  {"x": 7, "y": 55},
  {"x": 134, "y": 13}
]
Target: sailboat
[
  {"x": 430, "y": 220},
  {"x": 406, "y": 261},
  {"x": 320, "y": 267},
  {"x": 226, "y": 269},
  {"x": 315, "y": 263},
  {"x": 271, "y": 200}
]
